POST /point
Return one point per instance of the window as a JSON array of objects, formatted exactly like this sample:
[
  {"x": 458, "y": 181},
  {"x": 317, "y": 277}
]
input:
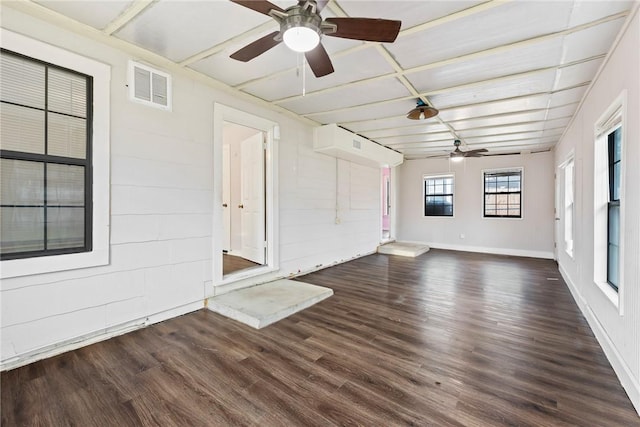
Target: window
[
  {"x": 438, "y": 195},
  {"x": 46, "y": 176},
  {"x": 503, "y": 193},
  {"x": 568, "y": 205},
  {"x": 608, "y": 197},
  {"x": 614, "y": 143},
  {"x": 54, "y": 158}
]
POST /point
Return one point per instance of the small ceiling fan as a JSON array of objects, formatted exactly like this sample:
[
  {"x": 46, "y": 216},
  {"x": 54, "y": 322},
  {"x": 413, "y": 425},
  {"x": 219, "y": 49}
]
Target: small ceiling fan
[
  {"x": 457, "y": 154},
  {"x": 301, "y": 28}
]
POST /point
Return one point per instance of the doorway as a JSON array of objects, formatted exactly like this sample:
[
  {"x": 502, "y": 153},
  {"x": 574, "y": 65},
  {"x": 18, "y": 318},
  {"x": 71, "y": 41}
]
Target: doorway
[
  {"x": 386, "y": 205},
  {"x": 245, "y": 210},
  {"x": 243, "y": 198}
]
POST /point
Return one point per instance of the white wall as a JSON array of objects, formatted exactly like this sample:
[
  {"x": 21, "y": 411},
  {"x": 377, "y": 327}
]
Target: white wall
[
  {"x": 161, "y": 214},
  {"x": 530, "y": 236},
  {"x": 617, "y": 329}
]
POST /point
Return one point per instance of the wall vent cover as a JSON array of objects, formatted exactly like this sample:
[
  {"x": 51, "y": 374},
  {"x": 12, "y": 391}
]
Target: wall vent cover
[{"x": 149, "y": 86}]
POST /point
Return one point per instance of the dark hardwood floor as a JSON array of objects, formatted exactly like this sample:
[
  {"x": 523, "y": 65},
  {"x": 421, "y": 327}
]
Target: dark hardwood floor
[
  {"x": 231, "y": 264},
  {"x": 445, "y": 339}
]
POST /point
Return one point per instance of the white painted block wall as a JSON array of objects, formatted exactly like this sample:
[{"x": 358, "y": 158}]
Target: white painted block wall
[
  {"x": 161, "y": 213},
  {"x": 532, "y": 235}
]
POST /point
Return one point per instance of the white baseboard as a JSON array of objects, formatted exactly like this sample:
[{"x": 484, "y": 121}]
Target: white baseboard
[
  {"x": 487, "y": 250},
  {"x": 630, "y": 384},
  {"x": 96, "y": 336}
]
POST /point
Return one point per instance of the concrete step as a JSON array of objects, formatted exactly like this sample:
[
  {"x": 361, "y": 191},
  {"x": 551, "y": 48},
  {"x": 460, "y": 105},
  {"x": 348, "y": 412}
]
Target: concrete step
[
  {"x": 403, "y": 249},
  {"x": 262, "y": 305}
]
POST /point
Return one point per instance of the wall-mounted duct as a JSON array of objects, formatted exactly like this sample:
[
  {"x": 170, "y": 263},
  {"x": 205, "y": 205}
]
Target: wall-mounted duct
[{"x": 337, "y": 142}]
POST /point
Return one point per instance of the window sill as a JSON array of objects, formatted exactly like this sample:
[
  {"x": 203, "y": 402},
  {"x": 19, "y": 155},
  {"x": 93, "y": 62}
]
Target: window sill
[
  {"x": 54, "y": 263},
  {"x": 610, "y": 293}
]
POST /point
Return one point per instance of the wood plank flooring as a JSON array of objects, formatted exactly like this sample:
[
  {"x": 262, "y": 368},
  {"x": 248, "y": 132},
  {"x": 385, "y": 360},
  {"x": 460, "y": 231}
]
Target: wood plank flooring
[
  {"x": 231, "y": 264},
  {"x": 445, "y": 339}
]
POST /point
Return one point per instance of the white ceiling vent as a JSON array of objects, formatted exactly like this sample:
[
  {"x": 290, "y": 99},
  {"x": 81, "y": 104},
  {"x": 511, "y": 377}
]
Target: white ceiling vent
[{"x": 149, "y": 86}]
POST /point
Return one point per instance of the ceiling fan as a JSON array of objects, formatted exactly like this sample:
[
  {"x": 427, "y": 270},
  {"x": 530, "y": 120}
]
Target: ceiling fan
[
  {"x": 301, "y": 28},
  {"x": 457, "y": 154}
]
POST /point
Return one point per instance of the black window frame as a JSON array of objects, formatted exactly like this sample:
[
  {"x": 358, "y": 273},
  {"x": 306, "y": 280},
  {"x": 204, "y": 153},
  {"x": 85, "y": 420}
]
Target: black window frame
[
  {"x": 60, "y": 160},
  {"x": 439, "y": 206},
  {"x": 497, "y": 173},
  {"x": 613, "y": 202}
]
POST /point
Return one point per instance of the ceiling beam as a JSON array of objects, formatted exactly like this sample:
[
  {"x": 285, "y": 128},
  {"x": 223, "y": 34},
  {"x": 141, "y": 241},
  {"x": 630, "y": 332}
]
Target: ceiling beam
[
  {"x": 453, "y": 17},
  {"x": 462, "y": 58},
  {"x": 458, "y": 87},
  {"x": 261, "y": 29},
  {"x": 478, "y": 104},
  {"x": 125, "y": 17}
]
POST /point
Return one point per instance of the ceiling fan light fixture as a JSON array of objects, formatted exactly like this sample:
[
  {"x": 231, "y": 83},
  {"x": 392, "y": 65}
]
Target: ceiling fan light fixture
[
  {"x": 457, "y": 157},
  {"x": 301, "y": 39}
]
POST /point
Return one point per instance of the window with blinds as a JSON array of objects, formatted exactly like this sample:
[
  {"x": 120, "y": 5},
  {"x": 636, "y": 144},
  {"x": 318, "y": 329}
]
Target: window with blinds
[
  {"x": 45, "y": 155},
  {"x": 503, "y": 193}
]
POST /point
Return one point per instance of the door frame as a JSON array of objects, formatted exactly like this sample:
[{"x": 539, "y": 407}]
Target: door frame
[
  {"x": 221, "y": 114},
  {"x": 385, "y": 190}
]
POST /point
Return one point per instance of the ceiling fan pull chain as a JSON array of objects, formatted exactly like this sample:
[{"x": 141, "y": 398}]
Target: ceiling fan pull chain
[{"x": 304, "y": 75}]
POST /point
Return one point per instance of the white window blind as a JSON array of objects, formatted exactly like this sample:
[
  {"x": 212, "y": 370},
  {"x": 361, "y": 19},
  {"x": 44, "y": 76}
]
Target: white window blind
[{"x": 44, "y": 203}]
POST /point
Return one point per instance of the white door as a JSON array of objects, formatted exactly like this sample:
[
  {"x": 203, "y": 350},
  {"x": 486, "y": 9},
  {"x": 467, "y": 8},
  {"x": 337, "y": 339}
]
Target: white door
[
  {"x": 253, "y": 199},
  {"x": 556, "y": 210},
  {"x": 226, "y": 198}
]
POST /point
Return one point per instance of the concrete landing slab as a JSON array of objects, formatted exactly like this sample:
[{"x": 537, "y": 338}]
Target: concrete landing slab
[
  {"x": 403, "y": 249},
  {"x": 262, "y": 305}
]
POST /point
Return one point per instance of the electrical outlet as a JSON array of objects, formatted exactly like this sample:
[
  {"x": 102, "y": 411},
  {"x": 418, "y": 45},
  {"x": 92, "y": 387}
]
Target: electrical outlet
[{"x": 462, "y": 235}]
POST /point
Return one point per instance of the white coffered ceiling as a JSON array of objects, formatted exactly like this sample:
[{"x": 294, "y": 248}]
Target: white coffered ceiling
[{"x": 505, "y": 75}]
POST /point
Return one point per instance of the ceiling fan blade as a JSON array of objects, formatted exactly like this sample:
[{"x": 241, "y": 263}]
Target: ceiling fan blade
[
  {"x": 319, "y": 61},
  {"x": 262, "y": 6},
  {"x": 256, "y": 48},
  {"x": 368, "y": 29},
  {"x": 471, "y": 153}
]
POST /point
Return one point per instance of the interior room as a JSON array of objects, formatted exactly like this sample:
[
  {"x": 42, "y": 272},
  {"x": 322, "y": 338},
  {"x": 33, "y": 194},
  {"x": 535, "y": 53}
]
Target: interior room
[{"x": 328, "y": 212}]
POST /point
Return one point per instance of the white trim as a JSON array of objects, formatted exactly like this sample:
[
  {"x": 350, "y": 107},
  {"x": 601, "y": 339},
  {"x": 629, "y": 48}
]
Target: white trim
[
  {"x": 570, "y": 251},
  {"x": 629, "y": 382},
  {"x": 222, "y": 113},
  {"x": 96, "y": 336},
  {"x": 101, "y": 74}
]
